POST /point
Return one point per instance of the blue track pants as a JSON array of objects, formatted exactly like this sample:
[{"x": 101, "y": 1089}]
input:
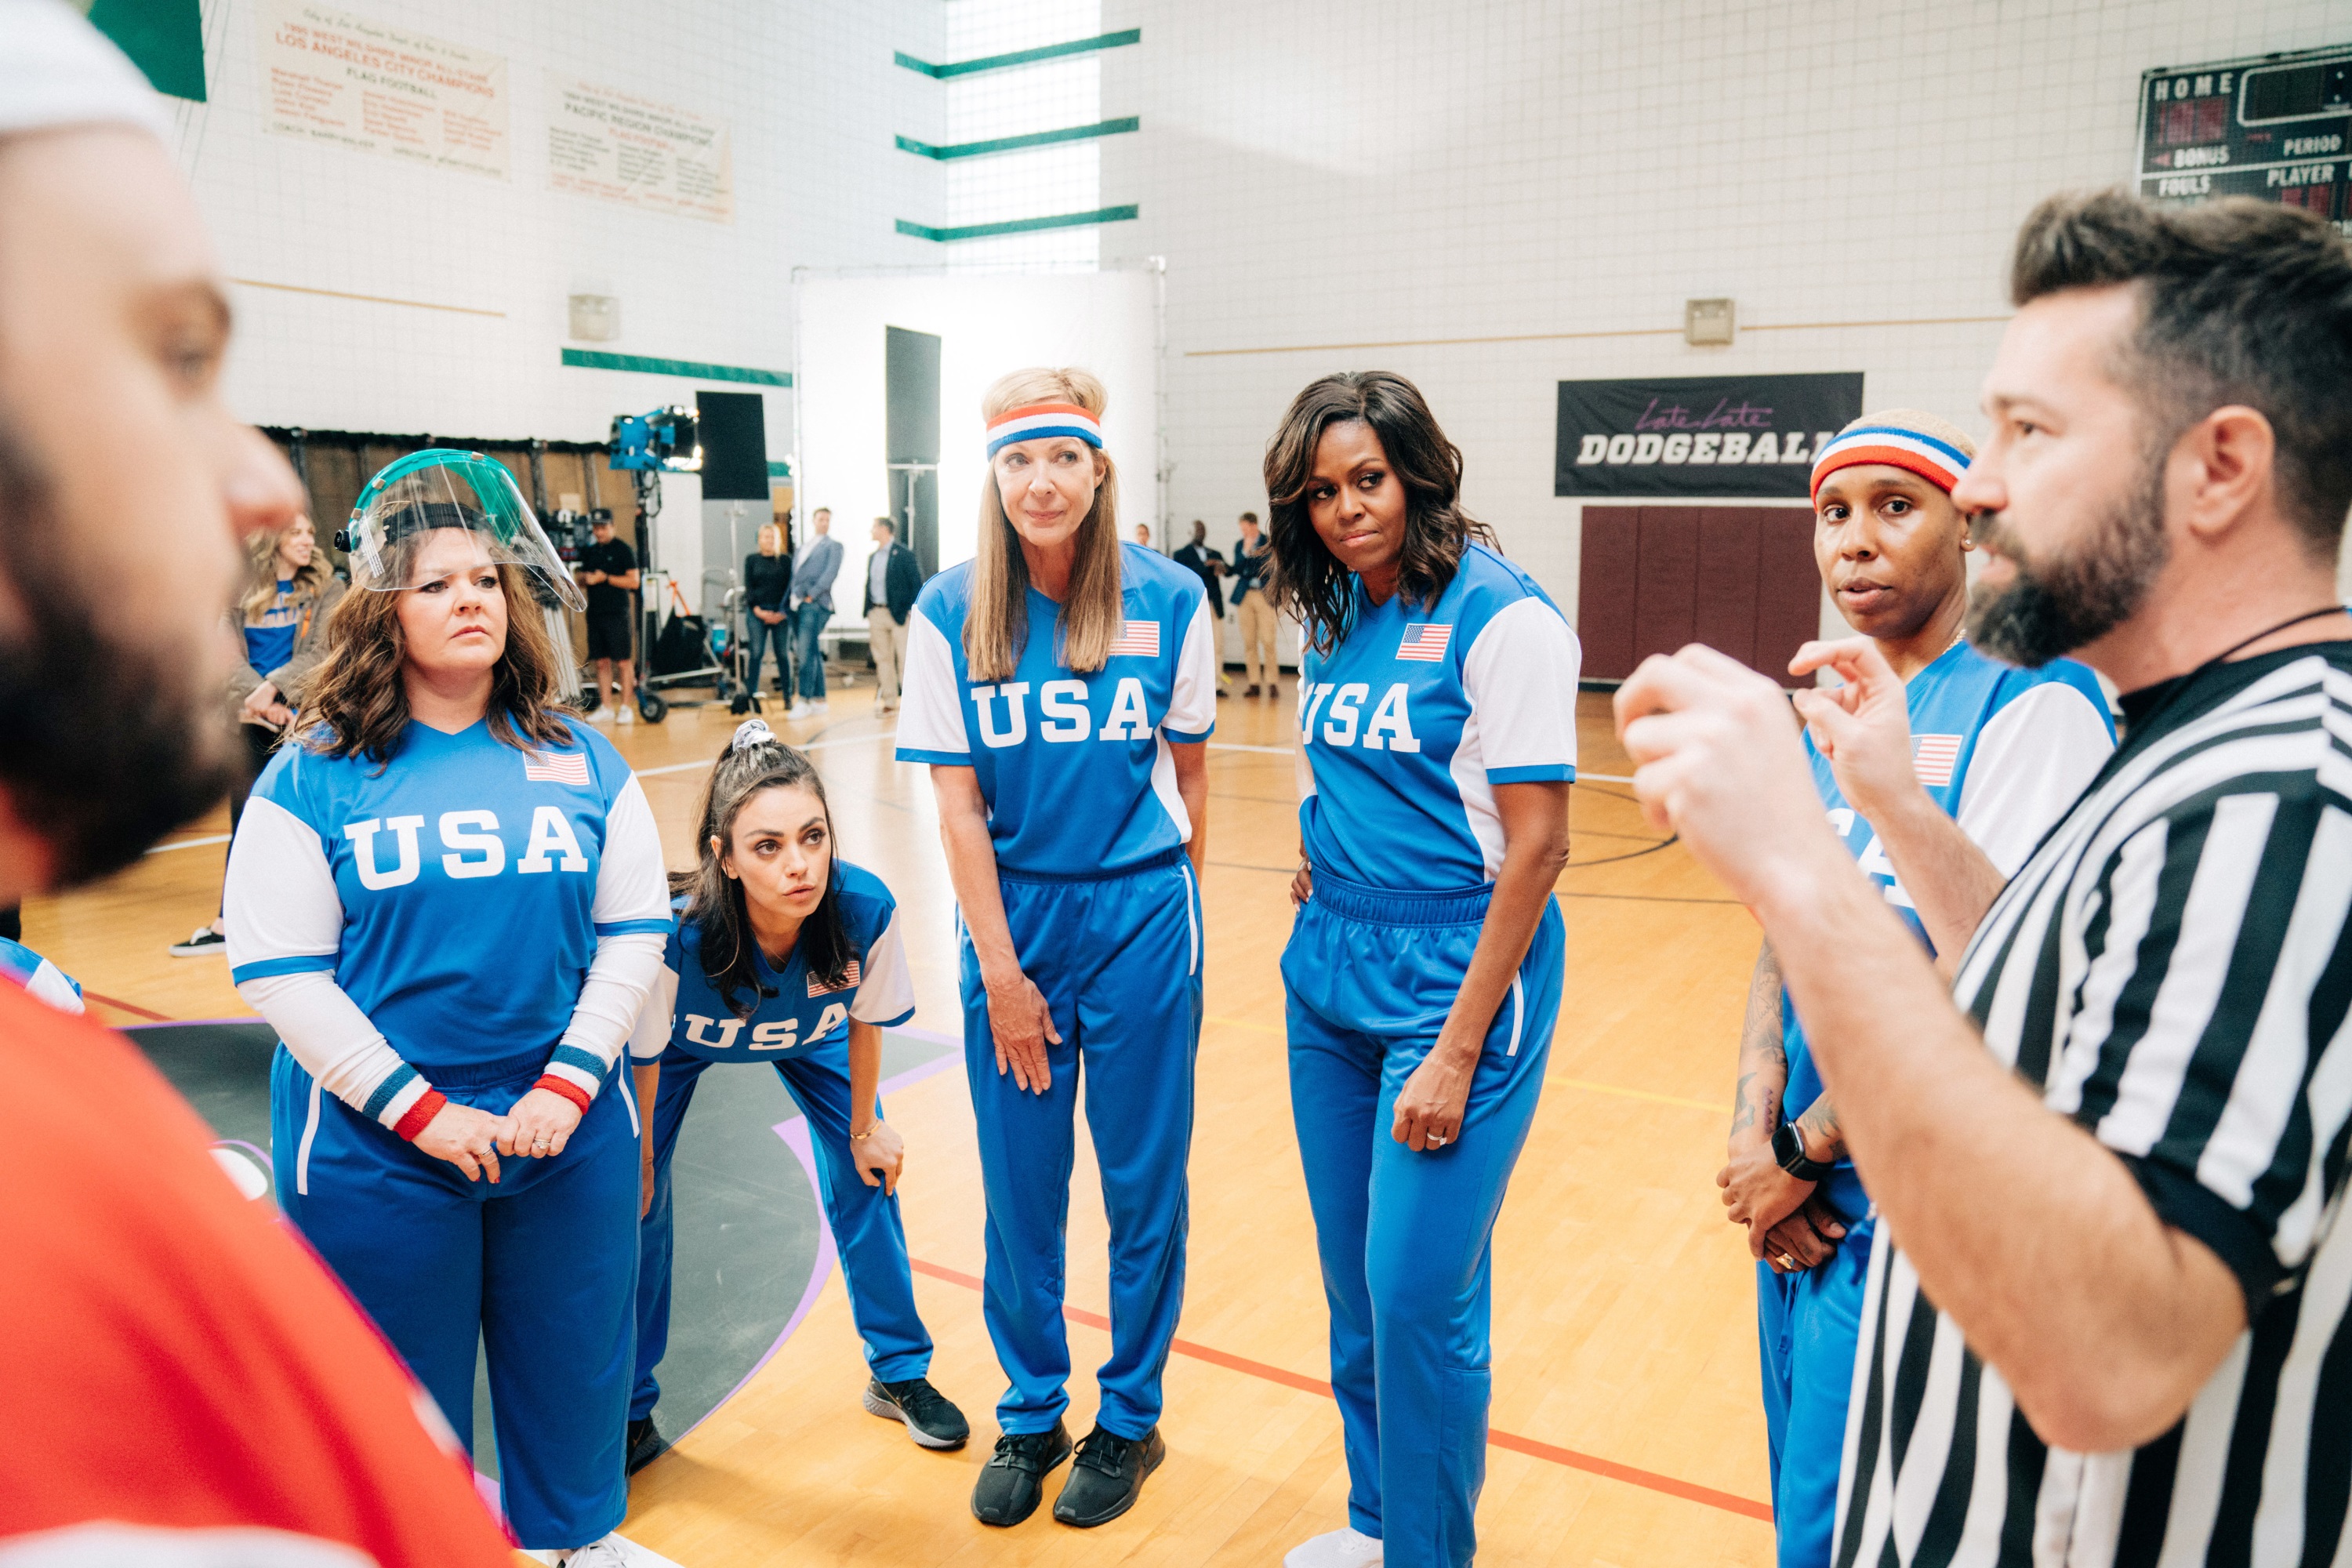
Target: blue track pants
[
  {"x": 1806, "y": 1327},
  {"x": 865, "y": 1226},
  {"x": 539, "y": 1270},
  {"x": 1118, "y": 961},
  {"x": 1404, "y": 1236}
]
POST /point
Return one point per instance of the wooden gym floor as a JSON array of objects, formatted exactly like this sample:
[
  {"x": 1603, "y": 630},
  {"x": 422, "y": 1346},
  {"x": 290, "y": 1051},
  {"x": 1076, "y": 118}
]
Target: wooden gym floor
[{"x": 1626, "y": 1425}]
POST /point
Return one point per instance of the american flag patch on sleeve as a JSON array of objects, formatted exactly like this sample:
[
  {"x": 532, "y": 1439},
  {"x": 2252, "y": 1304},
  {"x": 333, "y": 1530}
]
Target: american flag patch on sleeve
[
  {"x": 848, "y": 982},
  {"x": 1933, "y": 758},
  {"x": 555, "y": 767},
  {"x": 1425, "y": 642},
  {"x": 1138, "y": 640}
]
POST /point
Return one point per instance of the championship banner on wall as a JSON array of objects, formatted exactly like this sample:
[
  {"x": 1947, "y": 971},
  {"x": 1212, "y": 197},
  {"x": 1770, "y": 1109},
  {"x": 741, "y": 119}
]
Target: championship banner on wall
[
  {"x": 1735, "y": 435},
  {"x": 618, "y": 147},
  {"x": 333, "y": 78}
]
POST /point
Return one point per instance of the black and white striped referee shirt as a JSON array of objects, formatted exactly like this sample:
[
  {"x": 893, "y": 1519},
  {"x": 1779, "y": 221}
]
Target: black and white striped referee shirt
[{"x": 2173, "y": 967}]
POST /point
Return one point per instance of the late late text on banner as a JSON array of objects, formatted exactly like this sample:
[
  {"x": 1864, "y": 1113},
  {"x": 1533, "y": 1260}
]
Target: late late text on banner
[{"x": 1732, "y": 435}]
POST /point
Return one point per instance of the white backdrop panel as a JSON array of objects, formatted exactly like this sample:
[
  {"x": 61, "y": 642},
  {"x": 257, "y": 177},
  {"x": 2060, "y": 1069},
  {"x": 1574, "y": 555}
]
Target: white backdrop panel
[{"x": 987, "y": 325}]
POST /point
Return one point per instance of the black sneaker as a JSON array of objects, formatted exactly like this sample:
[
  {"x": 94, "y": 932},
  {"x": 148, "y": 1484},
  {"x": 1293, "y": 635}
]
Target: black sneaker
[
  {"x": 645, "y": 1444},
  {"x": 1012, "y": 1481},
  {"x": 204, "y": 943},
  {"x": 1107, "y": 1476},
  {"x": 932, "y": 1420}
]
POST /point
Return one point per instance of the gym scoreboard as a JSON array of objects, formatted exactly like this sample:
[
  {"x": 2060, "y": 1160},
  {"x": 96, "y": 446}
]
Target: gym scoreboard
[{"x": 2274, "y": 127}]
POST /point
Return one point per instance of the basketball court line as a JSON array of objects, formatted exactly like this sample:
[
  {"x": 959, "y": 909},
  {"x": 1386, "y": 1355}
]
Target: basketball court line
[{"x": 1609, "y": 1470}]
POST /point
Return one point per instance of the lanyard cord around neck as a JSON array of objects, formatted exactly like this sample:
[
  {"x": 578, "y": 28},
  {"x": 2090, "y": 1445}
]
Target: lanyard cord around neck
[{"x": 2184, "y": 682}]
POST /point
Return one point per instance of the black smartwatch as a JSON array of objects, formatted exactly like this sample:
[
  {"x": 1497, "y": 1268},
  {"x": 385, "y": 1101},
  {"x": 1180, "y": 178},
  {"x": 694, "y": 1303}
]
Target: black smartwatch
[{"x": 1788, "y": 1149}]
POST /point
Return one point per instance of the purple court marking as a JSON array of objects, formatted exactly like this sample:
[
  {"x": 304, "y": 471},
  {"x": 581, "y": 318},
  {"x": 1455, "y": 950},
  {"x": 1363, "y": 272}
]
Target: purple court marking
[{"x": 795, "y": 1134}]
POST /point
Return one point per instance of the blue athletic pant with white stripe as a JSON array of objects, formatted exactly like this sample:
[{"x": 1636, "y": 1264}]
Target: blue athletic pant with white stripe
[
  {"x": 1808, "y": 1325},
  {"x": 1405, "y": 1237},
  {"x": 865, "y": 1226},
  {"x": 1118, "y": 961},
  {"x": 539, "y": 1270}
]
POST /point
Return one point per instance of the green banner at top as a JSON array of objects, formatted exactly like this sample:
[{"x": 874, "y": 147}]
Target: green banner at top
[{"x": 164, "y": 38}]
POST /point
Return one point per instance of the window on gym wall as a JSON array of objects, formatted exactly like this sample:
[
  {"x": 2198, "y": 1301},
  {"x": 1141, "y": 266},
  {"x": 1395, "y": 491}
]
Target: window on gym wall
[{"x": 1051, "y": 95}]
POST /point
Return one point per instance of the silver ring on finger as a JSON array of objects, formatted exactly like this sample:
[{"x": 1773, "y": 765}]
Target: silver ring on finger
[
  {"x": 1788, "y": 1262},
  {"x": 1438, "y": 1139}
]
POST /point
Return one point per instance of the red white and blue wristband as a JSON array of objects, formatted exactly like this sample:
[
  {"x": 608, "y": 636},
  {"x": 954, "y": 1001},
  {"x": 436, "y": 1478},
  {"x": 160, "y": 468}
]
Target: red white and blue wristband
[
  {"x": 1041, "y": 420},
  {"x": 1937, "y": 461}
]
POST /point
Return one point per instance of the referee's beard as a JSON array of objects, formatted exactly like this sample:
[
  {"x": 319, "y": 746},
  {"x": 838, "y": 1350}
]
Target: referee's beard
[
  {"x": 106, "y": 744},
  {"x": 2056, "y": 604}
]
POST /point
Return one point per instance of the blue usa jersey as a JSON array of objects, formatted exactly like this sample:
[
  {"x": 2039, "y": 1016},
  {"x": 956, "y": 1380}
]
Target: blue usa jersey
[
  {"x": 455, "y": 894},
  {"x": 2003, "y": 750},
  {"x": 1076, "y": 769},
  {"x": 1405, "y": 728},
  {"x": 686, "y": 1012}
]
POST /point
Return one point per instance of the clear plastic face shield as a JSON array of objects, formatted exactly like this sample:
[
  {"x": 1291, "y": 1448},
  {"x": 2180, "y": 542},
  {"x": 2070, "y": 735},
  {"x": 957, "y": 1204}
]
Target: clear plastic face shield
[{"x": 438, "y": 497}]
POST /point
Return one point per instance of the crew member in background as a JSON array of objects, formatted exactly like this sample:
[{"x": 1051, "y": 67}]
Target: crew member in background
[
  {"x": 892, "y": 580},
  {"x": 177, "y": 1375},
  {"x": 1143, "y": 534},
  {"x": 1437, "y": 735},
  {"x": 1062, "y": 689},
  {"x": 447, "y": 899},
  {"x": 608, "y": 570},
  {"x": 786, "y": 955},
  {"x": 1211, "y": 567},
  {"x": 2001, "y": 751},
  {"x": 1253, "y": 607},
  {"x": 288, "y": 597},
  {"x": 813, "y": 570},
  {"x": 767, "y": 581}
]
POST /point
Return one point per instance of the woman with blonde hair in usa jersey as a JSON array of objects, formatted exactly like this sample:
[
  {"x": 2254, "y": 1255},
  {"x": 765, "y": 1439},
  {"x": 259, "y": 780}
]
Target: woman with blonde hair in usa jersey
[
  {"x": 447, "y": 897},
  {"x": 1437, "y": 736},
  {"x": 1061, "y": 687},
  {"x": 786, "y": 954}
]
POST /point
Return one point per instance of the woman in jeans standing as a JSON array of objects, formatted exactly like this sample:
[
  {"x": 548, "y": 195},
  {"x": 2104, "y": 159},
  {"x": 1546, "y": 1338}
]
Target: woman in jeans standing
[
  {"x": 767, "y": 580},
  {"x": 283, "y": 616}
]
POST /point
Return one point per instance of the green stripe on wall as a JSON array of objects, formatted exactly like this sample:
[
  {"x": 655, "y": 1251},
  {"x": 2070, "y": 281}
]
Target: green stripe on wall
[
  {"x": 593, "y": 358},
  {"x": 1014, "y": 143},
  {"x": 1020, "y": 57},
  {"x": 164, "y": 38},
  {"x": 1019, "y": 225},
  {"x": 779, "y": 470}
]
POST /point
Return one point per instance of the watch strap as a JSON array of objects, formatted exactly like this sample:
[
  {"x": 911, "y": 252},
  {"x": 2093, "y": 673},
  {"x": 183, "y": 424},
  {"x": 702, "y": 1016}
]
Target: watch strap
[{"x": 1788, "y": 1149}]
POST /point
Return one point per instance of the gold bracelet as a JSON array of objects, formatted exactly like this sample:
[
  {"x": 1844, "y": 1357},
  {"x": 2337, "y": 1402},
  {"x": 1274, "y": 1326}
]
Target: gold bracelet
[{"x": 861, "y": 1137}]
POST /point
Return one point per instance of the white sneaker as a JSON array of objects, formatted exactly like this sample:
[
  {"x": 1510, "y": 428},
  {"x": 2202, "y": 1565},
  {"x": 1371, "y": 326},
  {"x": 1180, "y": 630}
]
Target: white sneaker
[
  {"x": 1341, "y": 1549},
  {"x": 625, "y": 715},
  {"x": 602, "y": 715},
  {"x": 612, "y": 1551},
  {"x": 818, "y": 706},
  {"x": 799, "y": 709}
]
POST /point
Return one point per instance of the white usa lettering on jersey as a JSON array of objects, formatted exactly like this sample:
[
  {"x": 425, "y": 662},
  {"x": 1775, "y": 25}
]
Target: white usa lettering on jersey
[
  {"x": 1389, "y": 728},
  {"x": 1062, "y": 704},
  {"x": 473, "y": 845},
  {"x": 777, "y": 1035}
]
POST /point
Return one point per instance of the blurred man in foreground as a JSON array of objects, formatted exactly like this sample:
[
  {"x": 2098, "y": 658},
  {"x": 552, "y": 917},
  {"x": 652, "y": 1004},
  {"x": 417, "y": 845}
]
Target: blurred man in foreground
[{"x": 179, "y": 1380}]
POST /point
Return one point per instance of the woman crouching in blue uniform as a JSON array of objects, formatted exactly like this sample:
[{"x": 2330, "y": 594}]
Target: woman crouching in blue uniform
[
  {"x": 1437, "y": 735},
  {"x": 786, "y": 953},
  {"x": 447, "y": 899},
  {"x": 1061, "y": 687}
]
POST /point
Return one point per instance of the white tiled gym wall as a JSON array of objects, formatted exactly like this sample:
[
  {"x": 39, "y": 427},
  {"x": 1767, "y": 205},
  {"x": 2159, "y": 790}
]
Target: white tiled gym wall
[
  {"x": 1053, "y": 95},
  {"x": 809, "y": 91},
  {"x": 1321, "y": 172}
]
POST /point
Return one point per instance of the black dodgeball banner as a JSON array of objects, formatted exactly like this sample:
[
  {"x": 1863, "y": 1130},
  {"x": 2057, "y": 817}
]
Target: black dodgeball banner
[{"x": 1744, "y": 436}]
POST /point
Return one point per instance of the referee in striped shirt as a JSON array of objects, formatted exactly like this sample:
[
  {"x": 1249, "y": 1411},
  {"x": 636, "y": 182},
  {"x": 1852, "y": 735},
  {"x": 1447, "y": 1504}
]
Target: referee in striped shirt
[{"x": 2110, "y": 1326}]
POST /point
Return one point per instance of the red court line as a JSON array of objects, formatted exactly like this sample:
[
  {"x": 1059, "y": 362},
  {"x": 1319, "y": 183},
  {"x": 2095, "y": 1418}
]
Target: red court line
[
  {"x": 1608, "y": 1468},
  {"x": 90, "y": 995}
]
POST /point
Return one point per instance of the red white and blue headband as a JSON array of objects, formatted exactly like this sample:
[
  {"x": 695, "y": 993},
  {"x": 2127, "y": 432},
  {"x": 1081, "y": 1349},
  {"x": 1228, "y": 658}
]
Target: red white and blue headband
[
  {"x": 1932, "y": 458},
  {"x": 1039, "y": 420}
]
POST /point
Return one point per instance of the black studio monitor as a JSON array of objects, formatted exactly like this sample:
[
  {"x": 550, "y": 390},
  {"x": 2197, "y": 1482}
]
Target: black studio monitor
[{"x": 734, "y": 446}]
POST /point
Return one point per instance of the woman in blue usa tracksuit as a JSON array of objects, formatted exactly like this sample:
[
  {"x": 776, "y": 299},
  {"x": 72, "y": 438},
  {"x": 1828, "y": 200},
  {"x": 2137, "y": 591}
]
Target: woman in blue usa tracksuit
[
  {"x": 788, "y": 955},
  {"x": 448, "y": 901},
  {"x": 1061, "y": 685},
  {"x": 1437, "y": 734}
]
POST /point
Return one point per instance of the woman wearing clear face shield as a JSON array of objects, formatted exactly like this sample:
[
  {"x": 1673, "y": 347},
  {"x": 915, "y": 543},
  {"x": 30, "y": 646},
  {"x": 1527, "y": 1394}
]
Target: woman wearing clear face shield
[{"x": 448, "y": 899}]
